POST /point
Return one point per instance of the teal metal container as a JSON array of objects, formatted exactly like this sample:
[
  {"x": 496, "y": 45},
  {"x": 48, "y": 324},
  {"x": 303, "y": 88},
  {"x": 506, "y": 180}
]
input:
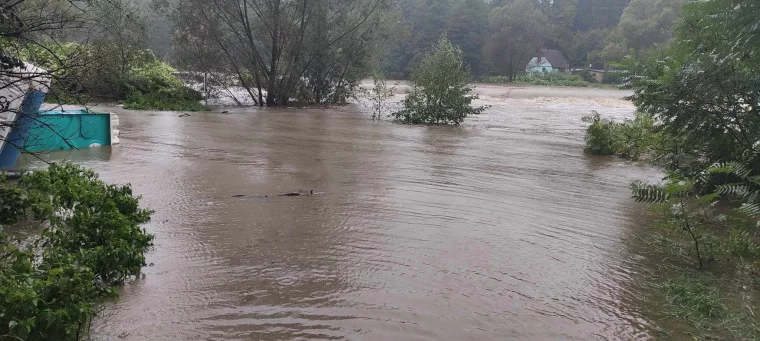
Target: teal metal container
[{"x": 69, "y": 129}]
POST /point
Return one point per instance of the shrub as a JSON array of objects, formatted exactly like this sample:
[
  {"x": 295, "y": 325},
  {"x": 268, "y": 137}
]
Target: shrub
[
  {"x": 440, "y": 94},
  {"x": 631, "y": 139},
  {"x": 600, "y": 136},
  {"x": 93, "y": 242},
  {"x": 153, "y": 86},
  {"x": 379, "y": 96},
  {"x": 101, "y": 72},
  {"x": 496, "y": 80}
]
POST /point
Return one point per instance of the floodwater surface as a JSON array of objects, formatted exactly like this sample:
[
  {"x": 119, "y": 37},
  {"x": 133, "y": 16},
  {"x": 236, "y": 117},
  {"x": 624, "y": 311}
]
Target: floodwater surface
[{"x": 500, "y": 229}]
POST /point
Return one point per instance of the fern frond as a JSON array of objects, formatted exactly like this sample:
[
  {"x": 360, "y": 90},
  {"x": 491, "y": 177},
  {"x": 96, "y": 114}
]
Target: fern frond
[
  {"x": 648, "y": 194},
  {"x": 755, "y": 180},
  {"x": 738, "y": 190},
  {"x": 752, "y": 210},
  {"x": 708, "y": 198},
  {"x": 735, "y": 168}
]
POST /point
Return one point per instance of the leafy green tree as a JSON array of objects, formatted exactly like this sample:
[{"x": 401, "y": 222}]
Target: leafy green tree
[
  {"x": 643, "y": 24},
  {"x": 704, "y": 91},
  {"x": 440, "y": 94},
  {"x": 316, "y": 51},
  {"x": 518, "y": 30},
  {"x": 598, "y": 14},
  {"x": 463, "y": 21},
  {"x": 581, "y": 49},
  {"x": 467, "y": 28}
]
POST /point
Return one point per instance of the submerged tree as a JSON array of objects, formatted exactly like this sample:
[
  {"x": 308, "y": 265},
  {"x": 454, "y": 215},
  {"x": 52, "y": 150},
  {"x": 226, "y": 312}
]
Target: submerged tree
[
  {"x": 440, "y": 94},
  {"x": 314, "y": 51}
]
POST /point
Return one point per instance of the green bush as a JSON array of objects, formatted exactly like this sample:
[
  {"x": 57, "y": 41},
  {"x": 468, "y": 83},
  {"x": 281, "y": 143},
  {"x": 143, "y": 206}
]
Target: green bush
[
  {"x": 440, "y": 94},
  {"x": 631, "y": 139},
  {"x": 600, "y": 136},
  {"x": 92, "y": 243},
  {"x": 101, "y": 72},
  {"x": 153, "y": 86}
]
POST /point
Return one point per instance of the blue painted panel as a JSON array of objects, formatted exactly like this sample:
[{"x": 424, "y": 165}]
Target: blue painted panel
[{"x": 30, "y": 111}]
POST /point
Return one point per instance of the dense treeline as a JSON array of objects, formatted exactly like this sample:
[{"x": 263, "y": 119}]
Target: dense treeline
[
  {"x": 500, "y": 37},
  {"x": 317, "y": 51}
]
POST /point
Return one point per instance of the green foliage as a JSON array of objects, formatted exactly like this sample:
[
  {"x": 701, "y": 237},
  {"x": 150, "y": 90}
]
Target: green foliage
[
  {"x": 103, "y": 71},
  {"x": 644, "y": 24},
  {"x": 703, "y": 91},
  {"x": 632, "y": 139},
  {"x": 545, "y": 79},
  {"x": 691, "y": 201},
  {"x": 92, "y": 243},
  {"x": 153, "y": 86},
  {"x": 440, "y": 94},
  {"x": 701, "y": 95},
  {"x": 552, "y": 79},
  {"x": 649, "y": 194},
  {"x": 379, "y": 96},
  {"x": 695, "y": 297},
  {"x": 518, "y": 30},
  {"x": 462, "y": 20},
  {"x": 600, "y": 136}
]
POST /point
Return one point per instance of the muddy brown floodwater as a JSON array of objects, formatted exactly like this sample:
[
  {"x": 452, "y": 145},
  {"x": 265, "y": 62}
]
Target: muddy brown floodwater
[{"x": 500, "y": 229}]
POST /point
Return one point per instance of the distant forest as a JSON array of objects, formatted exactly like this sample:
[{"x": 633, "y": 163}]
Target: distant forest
[{"x": 498, "y": 37}]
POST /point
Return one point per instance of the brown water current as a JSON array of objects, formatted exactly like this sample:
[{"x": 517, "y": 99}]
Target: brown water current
[{"x": 501, "y": 229}]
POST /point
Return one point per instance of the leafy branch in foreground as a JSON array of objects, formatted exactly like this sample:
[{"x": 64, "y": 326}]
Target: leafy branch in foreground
[{"x": 91, "y": 243}]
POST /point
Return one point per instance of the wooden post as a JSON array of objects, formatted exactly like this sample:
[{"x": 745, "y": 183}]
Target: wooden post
[{"x": 205, "y": 88}]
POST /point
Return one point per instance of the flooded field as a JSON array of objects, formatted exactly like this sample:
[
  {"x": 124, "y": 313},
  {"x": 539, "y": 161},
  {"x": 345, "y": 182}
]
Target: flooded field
[{"x": 498, "y": 229}]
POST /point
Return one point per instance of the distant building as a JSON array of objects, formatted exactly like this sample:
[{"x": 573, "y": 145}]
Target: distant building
[{"x": 548, "y": 60}]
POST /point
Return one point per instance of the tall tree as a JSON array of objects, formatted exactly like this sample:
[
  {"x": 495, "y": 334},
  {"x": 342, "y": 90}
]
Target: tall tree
[
  {"x": 463, "y": 21},
  {"x": 518, "y": 31},
  {"x": 467, "y": 28},
  {"x": 643, "y": 24},
  {"x": 277, "y": 49},
  {"x": 598, "y": 14}
]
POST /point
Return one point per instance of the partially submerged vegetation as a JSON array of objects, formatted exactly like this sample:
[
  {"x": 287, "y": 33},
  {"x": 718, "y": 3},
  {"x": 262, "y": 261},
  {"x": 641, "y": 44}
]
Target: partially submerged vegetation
[
  {"x": 698, "y": 119},
  {"x": 152, "y": 86},
  {"x": 440, "y": 94},
  {"x": 91, "y": 241},
  {"x": 632, "y": 139},
  {"x": 94, "y": 51},
  {"x": 83, "y": 73}
]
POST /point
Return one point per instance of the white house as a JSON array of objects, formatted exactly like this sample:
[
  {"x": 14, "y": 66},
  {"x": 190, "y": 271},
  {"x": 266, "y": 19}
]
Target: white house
[{"x": 548, "y": 60}]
